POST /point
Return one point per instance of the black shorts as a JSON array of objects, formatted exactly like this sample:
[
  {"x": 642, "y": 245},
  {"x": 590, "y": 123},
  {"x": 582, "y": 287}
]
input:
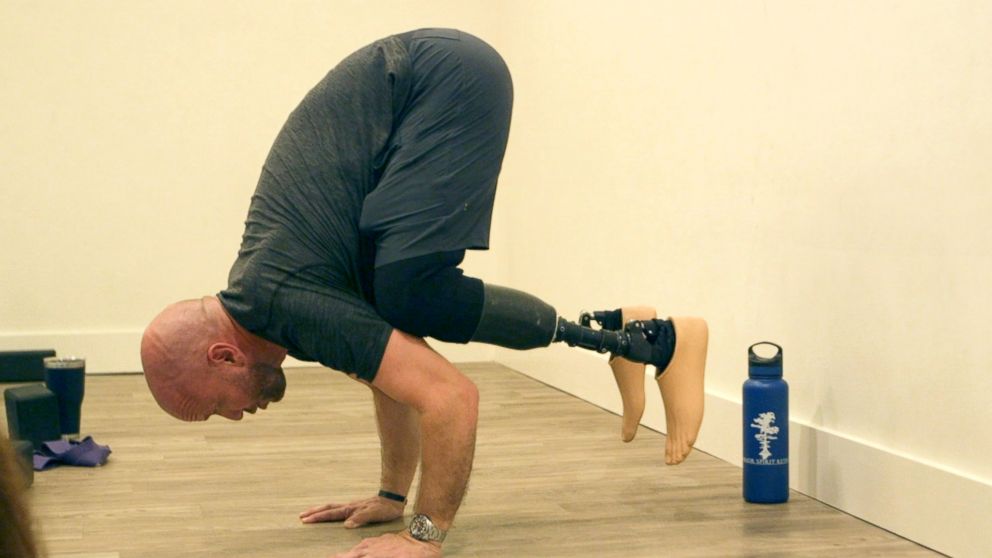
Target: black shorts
[{"x": 438, "y": 183}]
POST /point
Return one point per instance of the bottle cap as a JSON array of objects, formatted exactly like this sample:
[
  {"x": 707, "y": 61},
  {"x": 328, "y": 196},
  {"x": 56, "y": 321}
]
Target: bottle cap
[{"x": 764, "y": 367}]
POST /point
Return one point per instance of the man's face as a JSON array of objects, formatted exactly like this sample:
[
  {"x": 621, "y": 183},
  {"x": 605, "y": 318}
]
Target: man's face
[{"x": 240, "y": 392}]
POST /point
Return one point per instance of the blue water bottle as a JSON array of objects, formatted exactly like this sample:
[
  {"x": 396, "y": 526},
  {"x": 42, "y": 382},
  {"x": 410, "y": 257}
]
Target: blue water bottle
[{"x": 766, "y": 429}]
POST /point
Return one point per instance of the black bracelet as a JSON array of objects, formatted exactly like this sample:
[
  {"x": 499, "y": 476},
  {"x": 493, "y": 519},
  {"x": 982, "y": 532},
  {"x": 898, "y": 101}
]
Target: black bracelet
[{"x": 392, "y": 496}]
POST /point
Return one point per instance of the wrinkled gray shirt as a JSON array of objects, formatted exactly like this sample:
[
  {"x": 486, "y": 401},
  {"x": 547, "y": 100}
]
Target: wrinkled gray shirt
[{"x": 299, "y": 275}]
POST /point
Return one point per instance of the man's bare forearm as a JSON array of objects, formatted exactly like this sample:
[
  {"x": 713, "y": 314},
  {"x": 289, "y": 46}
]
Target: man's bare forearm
[
  {"x": 448, "y": 403},
  {"x": 448, "y": 444},
  {"x": 399, "y": 438}
]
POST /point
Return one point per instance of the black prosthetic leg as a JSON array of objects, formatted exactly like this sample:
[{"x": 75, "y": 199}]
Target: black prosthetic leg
[{"x": 514, "y": 319}]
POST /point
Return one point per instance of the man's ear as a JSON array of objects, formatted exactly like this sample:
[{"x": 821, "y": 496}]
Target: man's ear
[{"x": 225, "y": 354}]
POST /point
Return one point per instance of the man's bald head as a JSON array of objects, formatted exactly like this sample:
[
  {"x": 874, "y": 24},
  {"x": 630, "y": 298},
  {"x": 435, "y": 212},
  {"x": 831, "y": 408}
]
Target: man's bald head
[
  {"x": 174, "y": 350},
  {"x": 199, "y": 362}
]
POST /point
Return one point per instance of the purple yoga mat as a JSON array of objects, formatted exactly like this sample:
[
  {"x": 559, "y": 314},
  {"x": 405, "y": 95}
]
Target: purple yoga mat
[{"x": 86, "y": 453}]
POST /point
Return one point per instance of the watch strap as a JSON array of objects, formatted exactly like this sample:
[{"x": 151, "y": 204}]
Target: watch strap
[{"x": 392, "y": 496}]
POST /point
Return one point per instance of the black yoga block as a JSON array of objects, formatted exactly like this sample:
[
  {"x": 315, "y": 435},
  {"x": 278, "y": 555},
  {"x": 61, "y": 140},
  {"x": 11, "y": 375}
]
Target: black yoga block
[
  {"x": 23, "y": 366},
  {"x": 32, "y": 414},
  {"x": 24, "y": 452}
]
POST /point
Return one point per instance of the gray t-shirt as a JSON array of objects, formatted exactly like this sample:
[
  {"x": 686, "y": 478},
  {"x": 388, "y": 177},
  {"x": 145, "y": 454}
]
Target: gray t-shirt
[
  {"x": 298, "y": 279},
  {"x": 394, "y": 154}
]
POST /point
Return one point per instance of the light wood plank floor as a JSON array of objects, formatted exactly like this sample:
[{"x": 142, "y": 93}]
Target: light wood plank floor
[{"x": 551, "y": 479}]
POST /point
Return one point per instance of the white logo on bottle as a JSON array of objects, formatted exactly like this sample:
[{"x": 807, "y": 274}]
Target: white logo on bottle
[{"x": 766, "y": 432}]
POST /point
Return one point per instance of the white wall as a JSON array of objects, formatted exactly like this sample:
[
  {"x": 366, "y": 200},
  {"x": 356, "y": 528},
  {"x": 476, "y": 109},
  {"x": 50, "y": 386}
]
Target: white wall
[
  {"x": 132, "y": 136},
  {"x": 814, "y": 173}
]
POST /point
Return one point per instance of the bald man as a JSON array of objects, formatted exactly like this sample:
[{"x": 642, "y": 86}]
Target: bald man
[{"x": 374, "y": 188}]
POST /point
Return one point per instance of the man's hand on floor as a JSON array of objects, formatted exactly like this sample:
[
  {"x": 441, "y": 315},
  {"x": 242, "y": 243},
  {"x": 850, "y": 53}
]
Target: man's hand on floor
[
  {"x": 400, "y": 545},
  {"x": 355, "y": 514}
]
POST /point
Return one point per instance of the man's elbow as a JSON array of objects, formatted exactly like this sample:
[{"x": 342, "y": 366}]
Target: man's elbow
[{"x": 456, "y": 399}]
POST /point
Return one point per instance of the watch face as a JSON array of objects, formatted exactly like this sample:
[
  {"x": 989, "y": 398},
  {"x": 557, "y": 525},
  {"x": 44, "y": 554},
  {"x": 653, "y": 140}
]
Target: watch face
[
  {"x": 422, "y": 529},
  {"x": 418, "y": 528}
]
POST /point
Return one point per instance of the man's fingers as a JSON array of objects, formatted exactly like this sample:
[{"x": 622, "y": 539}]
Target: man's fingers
[
  {"x": 363, "y": 516},
  {"x": 331, "y": 514},
  {"x": 355, "y": 514},
  {"x": 351, "y": 523},
  {"x": 373, "y": 514},
  {"x": 316, "y": 509}
]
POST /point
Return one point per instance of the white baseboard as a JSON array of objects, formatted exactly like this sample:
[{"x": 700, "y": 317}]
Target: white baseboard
[
  {"x": 922, "y": 501},
  {"x": 119, "y": 350}
]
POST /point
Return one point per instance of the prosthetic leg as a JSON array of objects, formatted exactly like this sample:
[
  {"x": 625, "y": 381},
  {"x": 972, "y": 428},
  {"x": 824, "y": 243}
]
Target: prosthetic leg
[
  {"x": 680, "y": 380},
  {"x": 676, "y": 347},
  {"x": 517, "y": 320}
]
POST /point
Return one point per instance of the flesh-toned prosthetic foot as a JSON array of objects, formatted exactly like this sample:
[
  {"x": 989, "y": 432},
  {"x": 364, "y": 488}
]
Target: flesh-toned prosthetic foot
[
  {"x": 629, "y": 376},
  {"x": 681, "y": 384},
  {"x": 676, "y": 347}
]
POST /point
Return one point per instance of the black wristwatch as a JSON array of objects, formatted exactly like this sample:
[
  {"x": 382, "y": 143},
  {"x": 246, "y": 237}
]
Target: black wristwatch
[{"x": 423, "y": 529}]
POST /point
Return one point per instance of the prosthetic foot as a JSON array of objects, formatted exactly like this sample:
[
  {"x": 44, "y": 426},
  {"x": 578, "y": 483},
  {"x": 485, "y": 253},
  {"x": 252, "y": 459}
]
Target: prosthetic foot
[
  {"x": 628, "y": 374},
  {"x": 681, "y": 384},
  {"x": 677, "y": 348}
]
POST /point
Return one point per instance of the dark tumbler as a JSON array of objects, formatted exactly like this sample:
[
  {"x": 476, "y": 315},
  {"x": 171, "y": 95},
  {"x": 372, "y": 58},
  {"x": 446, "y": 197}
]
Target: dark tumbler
[{"x": 66, "y": 378}]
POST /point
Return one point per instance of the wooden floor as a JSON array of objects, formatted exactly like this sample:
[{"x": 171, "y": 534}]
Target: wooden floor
[{"x": 551, "y": 479}]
